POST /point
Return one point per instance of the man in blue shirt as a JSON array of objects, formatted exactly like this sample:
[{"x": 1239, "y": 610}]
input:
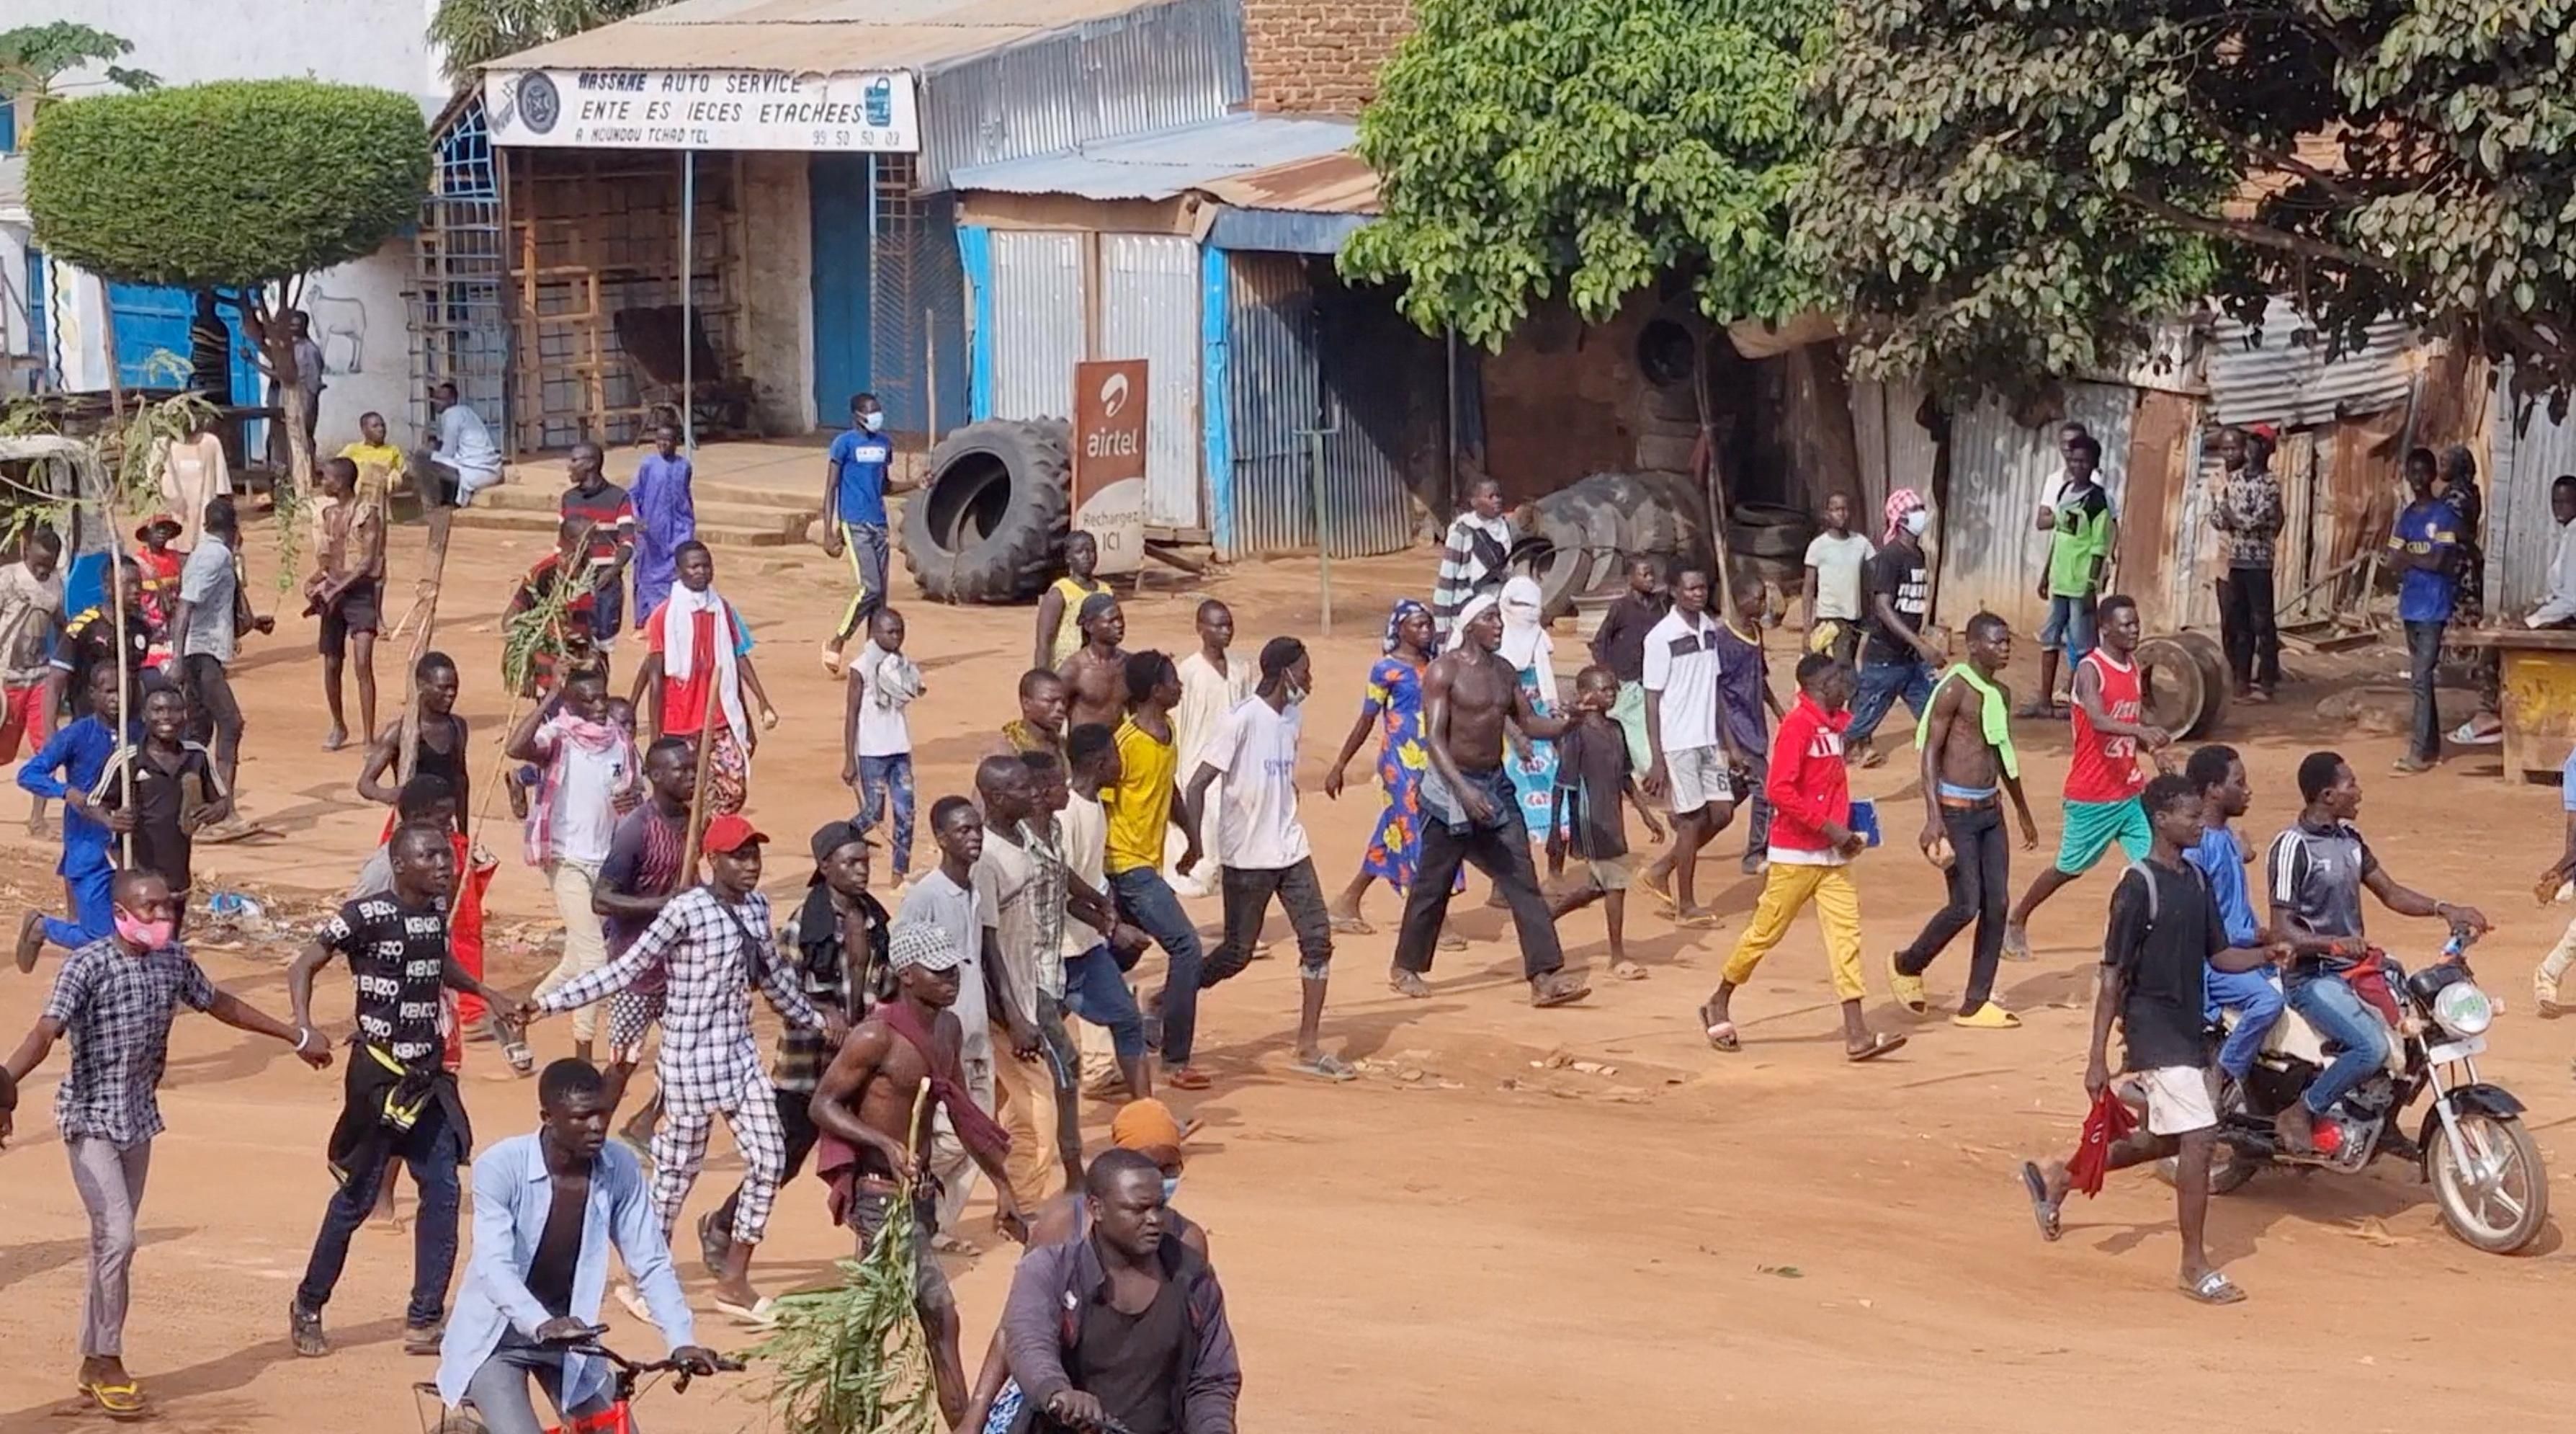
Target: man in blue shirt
[
  {"x": 854, "y": 515},
  {"x": 547, "y": 1207},
  {"x": 2218, "y": 775},
  {"x": 2425, "y": 548},
  {"x": 68, "y": 767}
]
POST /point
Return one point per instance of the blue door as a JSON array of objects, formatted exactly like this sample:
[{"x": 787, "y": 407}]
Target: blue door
[
  {"x": 843, "y": 206},
  {"x": 151, "y": 334}
]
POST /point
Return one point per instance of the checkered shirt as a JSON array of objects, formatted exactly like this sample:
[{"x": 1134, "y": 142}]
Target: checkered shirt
[
  {"x": 117, "y": 1009},
  {"x": 1046, "y": 888},
  {"x": 802, "y": 1053},
  {"x": 713, "y": 954}
]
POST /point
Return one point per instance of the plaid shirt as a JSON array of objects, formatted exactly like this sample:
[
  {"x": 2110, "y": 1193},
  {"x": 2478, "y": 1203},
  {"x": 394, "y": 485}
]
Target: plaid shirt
[
  {"x": 713, "y": 955},
  {"x": 117, "y": 1009},
  {"x": 824, "y": 972},
  {"x": 2249, "y": 513}
]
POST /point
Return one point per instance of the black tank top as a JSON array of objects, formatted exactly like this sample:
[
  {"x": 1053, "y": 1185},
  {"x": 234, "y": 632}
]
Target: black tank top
[
  {"x": 427, "y": 760},
  {"x": 1132, "y": 1363}
]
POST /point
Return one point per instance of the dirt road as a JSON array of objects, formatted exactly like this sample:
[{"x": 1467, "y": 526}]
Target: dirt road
[{"x": 1472, "y": 1236}]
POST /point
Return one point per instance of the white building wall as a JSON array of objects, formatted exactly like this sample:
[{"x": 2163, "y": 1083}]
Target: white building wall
[{"x": 358, "y": 309}]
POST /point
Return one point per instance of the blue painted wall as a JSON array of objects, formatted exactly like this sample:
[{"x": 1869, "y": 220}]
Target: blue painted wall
[
  {"x": 975, "y": 256},
  {"x": 1215, "y": 387},
  {"x": 843, "y": 204}
]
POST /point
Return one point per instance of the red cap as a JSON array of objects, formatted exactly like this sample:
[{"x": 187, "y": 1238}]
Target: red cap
[{"x": 731, "y": 833}]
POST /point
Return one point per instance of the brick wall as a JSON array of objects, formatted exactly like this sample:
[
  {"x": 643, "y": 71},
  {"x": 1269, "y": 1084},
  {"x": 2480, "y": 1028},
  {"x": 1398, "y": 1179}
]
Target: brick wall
[{"x": 1320, "y": 56}]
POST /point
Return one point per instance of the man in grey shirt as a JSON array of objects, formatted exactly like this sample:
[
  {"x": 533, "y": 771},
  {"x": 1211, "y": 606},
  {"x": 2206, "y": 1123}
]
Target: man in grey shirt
[{"x": 202, "y": 629}]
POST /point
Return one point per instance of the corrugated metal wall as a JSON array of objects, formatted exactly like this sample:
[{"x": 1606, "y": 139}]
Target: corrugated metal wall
[
  {"x": 1895, "y": 451},
  {"x": 1149, "y": 309},
  {"x": 2289, "y": 382},
  {"x": 1127, "y": 74},
  {"x": 1037, "y": 320},
  {"x": 1990, "y": 552},
  {"x": 1295, "y": 370},
  {"x": 2528, "y": 452}
]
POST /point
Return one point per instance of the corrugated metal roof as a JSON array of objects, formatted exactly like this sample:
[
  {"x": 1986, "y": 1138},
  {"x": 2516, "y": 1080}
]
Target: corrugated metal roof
[
  {"x": 1166, "y": 162},
  {"x": 2526, "y": 451},
  {"x": 2287, "y": 380},
  {"x": 809, "y": 36},
  {"x": 1337, "y": 183}
]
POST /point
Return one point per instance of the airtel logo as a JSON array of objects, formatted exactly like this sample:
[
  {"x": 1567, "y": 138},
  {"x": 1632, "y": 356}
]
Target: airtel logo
[{"x": 1113, "y": 395}]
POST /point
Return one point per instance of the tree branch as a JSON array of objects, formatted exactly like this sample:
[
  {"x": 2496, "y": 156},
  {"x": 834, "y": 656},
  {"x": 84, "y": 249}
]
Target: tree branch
[{"x": 2257, "y": 235}]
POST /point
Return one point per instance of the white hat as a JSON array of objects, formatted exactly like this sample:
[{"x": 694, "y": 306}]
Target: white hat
[{"x": 921, "y": 944}]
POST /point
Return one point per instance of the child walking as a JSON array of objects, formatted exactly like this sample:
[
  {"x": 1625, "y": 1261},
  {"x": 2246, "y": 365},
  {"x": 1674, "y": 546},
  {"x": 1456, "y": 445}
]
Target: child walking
[
  {"x": 1595, "y": 783},
  {"x": 878, "y": 736}
]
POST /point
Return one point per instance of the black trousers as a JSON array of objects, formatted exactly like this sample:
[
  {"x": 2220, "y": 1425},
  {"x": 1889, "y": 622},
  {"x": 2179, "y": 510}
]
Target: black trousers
[
  {"x": 1501, "y": 851},
  {"x": 1980, "y": 881},
  {"x": 1248, "y": 891},
  {"x": 2247, "y": 628},
  {"x": 2424, "y": 662}
]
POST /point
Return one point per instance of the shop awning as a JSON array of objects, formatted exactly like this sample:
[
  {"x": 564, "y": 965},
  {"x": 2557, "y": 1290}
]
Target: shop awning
[
  {"x": 1166, "y": 163},
  {"x": 1306, "y": 206}
]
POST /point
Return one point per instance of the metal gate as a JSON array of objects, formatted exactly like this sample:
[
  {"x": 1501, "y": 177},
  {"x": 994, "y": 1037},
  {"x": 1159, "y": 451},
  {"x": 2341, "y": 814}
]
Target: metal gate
[
  {"x": 1037, "y": 313},
  {"x": 1298, "y": 374},
  {"x": 1150, "y": 310}
]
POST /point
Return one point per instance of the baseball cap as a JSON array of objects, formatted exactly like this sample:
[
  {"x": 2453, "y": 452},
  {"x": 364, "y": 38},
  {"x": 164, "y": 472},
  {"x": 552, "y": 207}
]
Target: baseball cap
[
  {"x": 729, "y": 833},
  {"x": 921, "y": 944},
  {"x": 832, "y": 836}
]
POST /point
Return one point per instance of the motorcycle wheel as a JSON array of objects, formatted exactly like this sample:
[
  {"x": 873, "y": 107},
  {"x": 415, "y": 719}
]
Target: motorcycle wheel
[{"x": 2504, "y": 1212}]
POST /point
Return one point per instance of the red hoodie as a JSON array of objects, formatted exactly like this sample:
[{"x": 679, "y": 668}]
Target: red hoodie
[{"x": 1808, "y": 786}]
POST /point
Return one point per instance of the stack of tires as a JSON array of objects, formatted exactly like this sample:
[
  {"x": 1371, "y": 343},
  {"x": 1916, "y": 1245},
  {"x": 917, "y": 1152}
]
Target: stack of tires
[
  {"x": 1578, "y": 539},
  {"x": 989, "y": 523}
]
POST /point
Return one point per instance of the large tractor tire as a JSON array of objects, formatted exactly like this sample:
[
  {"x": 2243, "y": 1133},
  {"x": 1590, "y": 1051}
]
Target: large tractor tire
[{"x": 988, "y": 524}]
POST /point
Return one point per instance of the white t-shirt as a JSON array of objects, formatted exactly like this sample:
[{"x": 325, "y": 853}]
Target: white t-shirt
[
  {"x": 1005, "y": 879},
  {"x": 1255, "y": 749},
  {"x": 1083, "y": 828},
  {"x": 464, "y": 444},
  {"x": 934, "y": 900},
  {"x": 1838, "y": 563},
  {"x": 585, "y": 806},
  {"x": 1681, "y": 663},
  {"x": 883, "y": 732}
]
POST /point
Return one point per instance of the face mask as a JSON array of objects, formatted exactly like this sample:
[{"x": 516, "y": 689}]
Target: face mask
[
  {"x": 1171, "y": 1187},
  {"x": 1916, "y": 521},
  {"x": 871, "y": 421},
  {"x": 150, "y": 935},
  {"x": 1296, "y": 695}
]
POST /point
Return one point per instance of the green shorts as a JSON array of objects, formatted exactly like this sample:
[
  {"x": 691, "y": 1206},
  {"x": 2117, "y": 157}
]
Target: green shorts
[{"x": 2091, "y": 827}]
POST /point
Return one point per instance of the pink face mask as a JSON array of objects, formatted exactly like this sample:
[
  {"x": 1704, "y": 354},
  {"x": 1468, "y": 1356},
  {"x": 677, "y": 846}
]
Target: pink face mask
[{"x": 149, "y": 935}]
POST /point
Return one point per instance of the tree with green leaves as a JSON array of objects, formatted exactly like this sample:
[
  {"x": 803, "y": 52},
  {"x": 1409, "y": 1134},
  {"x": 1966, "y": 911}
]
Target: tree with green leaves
[
  {"x": 473, "y": 33},
  {"x": 32, "y": 57},
  {"x": 2017, "y": 190},
  {"x": 1528, "y": 149},
  {"x": 244, "y": 186}
]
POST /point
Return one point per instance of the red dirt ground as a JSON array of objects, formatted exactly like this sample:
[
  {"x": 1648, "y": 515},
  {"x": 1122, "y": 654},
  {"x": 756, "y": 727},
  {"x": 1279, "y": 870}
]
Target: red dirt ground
[{"x": 1679, "y": 1241}]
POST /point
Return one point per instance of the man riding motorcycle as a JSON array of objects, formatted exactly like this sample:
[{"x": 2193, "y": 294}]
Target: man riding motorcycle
[{"x": 2319, "y": 866}]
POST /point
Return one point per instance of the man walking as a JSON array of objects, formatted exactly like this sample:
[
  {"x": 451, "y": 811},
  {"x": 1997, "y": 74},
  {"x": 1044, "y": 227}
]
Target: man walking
[
  {"x": 1969, "y": 763},
  {"x": 68, "y": 767},
  {"x": 562, "y": 1197},
  {"x": 203, "y": 631},
  {"x": 1019, "y": 879},
  {"x": 2104, "y": 777},
  {"x": 572, "y": 821},
  {"x": 1145, "y": 801},
  {"x": 1095, "y": 676},
  {"x": 1836, "y": 586},
  {"x": 592, "y": 499},
  {"x": 697, "y": 680},
  {"x": 1689, "y": 767},
  {"x": 1040, "y": 726},
  {"x": 1897, "y": 658},
  {"x": 854, "y": 515},
  {"x": 400, "y": 1100},
  {"x": 1474, "y": 557},
  {"x": 714, "y": 942},
  {"x": 636, "y": 881},
  {"x": 1212, "y": 685},
  {"x": 946, "y": 897},
  {"x": 666, "y": 515},
  {"x": 1619, "y": 644},
  {"x": 115, "y": 999},
  {"x": 1254, "y": 753},
  {"x": 2247, "y": 515},
  {"x": 1471, "y": 814}
]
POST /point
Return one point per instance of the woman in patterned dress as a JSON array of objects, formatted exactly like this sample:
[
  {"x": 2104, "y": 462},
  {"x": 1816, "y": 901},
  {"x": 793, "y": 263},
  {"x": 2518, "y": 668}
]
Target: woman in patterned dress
[{"x": 1394, "y": 701}]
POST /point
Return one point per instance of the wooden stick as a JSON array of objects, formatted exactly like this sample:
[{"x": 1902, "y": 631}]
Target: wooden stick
[
  {"x": 124, "y": 661},
  {"x": 426, "y": 606},
  {"x": 698, "y": 789}
]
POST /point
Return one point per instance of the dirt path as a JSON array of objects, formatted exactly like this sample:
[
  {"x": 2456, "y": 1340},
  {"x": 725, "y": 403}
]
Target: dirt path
[{"x": 1476, "y": 1235}]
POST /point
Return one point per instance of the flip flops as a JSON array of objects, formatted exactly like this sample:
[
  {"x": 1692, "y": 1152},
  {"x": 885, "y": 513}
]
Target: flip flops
[
  {"x": 2042, "y": 1209},
  {"x": 1557, "y": 989},
  {"x": 1880, "y": 1043},
  {"x": 1988, "y": 1017},
  {"x": 1907, "y": 989},
  {"x": 123, "y": 1403},
  {"x": 2212, "y": 1288},
  {"x": 759, "y": 1314},
  {"x": 633, "y": 1301},
  {"x": 1722, "y": 1034},
  {"x": 1324, "y": 1065}
]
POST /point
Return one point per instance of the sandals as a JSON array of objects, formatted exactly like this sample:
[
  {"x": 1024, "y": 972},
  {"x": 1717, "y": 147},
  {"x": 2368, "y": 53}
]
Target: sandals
[
  {"x": 1409, "y": 983},
  {"x": 1187, "y": 1078},
  {"x": 1722, "y": 1034},
  {"x": 1696, "y": 919},
  {"x": 1988, "y": 1017},
  {"x": 1557, "y": 988},
  {"x": 123, "y": 1403},
  {"x": 2042, "y": 1209},
  {"x": 2212, "y": 1288},
  {"x": 1352, "y": 926},
  {"x": 759, "y": 1314},
  {"x": 1908, "y": 990},
  {"x": 1880, "y": 1043},
  {"x": 1324, "y": 1065},
  {"x": 715, "y": 1246},
  {"x": 1627, "y": 971}
]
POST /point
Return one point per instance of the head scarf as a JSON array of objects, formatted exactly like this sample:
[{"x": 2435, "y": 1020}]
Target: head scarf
[
  {"x": 1143, "y": 1125},
  {"x": 1526, "y": 645},
  {"x": 1405, "y": 608},
  {"x": 1900, "y": 503},
  {"x": 1474, "y": 609}
]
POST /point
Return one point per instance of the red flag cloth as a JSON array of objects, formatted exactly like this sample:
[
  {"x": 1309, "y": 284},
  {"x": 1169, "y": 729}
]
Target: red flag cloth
[{"x": 2110, "y": 1120}]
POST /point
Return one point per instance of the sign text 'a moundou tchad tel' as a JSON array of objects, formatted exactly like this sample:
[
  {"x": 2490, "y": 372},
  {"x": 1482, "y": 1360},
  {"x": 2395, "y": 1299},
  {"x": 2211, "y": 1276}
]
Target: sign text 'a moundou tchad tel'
[
  {"x": 703, "y": 109},
  {"x": 1109, "y": 459}
]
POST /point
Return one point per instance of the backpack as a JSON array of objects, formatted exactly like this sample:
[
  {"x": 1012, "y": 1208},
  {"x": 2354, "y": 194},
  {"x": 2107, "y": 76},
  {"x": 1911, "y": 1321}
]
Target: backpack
[{"x": 2149, "y": 877}]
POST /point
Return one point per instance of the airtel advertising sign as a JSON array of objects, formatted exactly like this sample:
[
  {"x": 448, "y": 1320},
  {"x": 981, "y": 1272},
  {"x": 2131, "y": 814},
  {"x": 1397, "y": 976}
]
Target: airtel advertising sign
[{"x": 1109, "y": 459}]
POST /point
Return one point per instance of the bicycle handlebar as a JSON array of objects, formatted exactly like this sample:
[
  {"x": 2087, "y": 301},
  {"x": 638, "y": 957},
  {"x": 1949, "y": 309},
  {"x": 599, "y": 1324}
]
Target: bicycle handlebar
[{"x": 589, "y": 1346}]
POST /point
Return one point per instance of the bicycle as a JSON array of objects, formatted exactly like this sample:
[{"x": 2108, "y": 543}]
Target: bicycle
[{"x": 628, "y": 1381}]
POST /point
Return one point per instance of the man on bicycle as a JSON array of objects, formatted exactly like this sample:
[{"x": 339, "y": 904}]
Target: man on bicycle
[{"x": 547, "y": 1207}]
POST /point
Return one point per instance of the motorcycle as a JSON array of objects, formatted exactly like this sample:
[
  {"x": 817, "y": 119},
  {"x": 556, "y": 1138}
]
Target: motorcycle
[{"x": 2482, "y": 1164}]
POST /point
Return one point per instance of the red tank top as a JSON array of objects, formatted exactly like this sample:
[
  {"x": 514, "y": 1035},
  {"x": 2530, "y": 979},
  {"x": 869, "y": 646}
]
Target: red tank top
[{"x": 2105, "y": 768}]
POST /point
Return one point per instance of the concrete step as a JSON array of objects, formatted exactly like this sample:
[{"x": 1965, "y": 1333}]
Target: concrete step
[
  {"x": 719, "y": 512},
  {"x": 540, "y": 488},
  {"x": 540, "y": 524}
]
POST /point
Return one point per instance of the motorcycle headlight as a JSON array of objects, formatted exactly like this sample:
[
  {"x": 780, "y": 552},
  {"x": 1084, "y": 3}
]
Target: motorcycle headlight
[{"x": 2463, "y": 1009}]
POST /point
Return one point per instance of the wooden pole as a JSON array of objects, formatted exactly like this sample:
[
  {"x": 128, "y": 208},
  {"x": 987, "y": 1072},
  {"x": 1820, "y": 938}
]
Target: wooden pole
[
  {"x": 426, "y": 606},
  {"x": 698, "y": 789},
  {"x": 124, "y": 664},
  {"x": 1708, "y": 480}
]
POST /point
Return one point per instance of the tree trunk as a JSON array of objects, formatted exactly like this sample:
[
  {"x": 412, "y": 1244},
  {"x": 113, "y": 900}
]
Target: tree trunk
[{"x": 299, "y": 443}]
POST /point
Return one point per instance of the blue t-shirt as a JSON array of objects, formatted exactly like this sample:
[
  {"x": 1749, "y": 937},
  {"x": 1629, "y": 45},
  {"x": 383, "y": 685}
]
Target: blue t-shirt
[
  {"x": 859, "y": 463},
  {"x": 2567, "y": 783},
  {"x": 2431, "y": 526},
  {"x": 2223, "y": 862}
]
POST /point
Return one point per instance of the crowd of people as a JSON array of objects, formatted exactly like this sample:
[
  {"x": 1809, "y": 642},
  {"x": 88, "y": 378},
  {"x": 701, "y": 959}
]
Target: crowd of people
[{"x": 950, "y": 1034}]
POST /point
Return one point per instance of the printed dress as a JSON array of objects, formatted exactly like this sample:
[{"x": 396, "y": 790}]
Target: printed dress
[{"x": 1395, "y": 697}]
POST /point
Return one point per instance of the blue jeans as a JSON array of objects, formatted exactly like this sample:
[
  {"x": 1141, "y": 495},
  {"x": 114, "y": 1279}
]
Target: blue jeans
[
  {"x": 2071, "y": 625},
  {"x": 93, "y": 910},
  {"x": 884, "y": 782},
  {"x": 2326, "y": 1003},
  {"x": 432, "y": 1151},
  {"x": 1883, "y": 679},
  {"x": 2257, "y": 1003},
  {"x": 1096, "y": 990},
  {"x": 1144, "y": 899}
]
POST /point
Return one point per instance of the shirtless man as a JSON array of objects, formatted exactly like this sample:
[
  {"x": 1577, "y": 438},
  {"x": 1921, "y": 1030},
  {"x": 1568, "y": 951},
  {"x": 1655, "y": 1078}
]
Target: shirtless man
[
  {"x": 1469, "y": 811},
  {"x": 867, "y": 1103},
  {"x": 1968, "y": 764},
  {"x": 1095, "y": 677}
]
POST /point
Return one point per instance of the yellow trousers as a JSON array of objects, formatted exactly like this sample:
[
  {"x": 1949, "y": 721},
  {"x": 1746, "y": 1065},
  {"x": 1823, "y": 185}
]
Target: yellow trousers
[
  {"x": 1786, "y": 890},
  {"x": 1026, "y": 1097}
]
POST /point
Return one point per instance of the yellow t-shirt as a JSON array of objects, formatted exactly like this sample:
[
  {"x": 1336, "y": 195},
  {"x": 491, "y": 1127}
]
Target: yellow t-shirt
[
  {"x": 1140, "y": 806},
  {"x": 1068, "y": 629},
  {"x": 384, "y": 459}
]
